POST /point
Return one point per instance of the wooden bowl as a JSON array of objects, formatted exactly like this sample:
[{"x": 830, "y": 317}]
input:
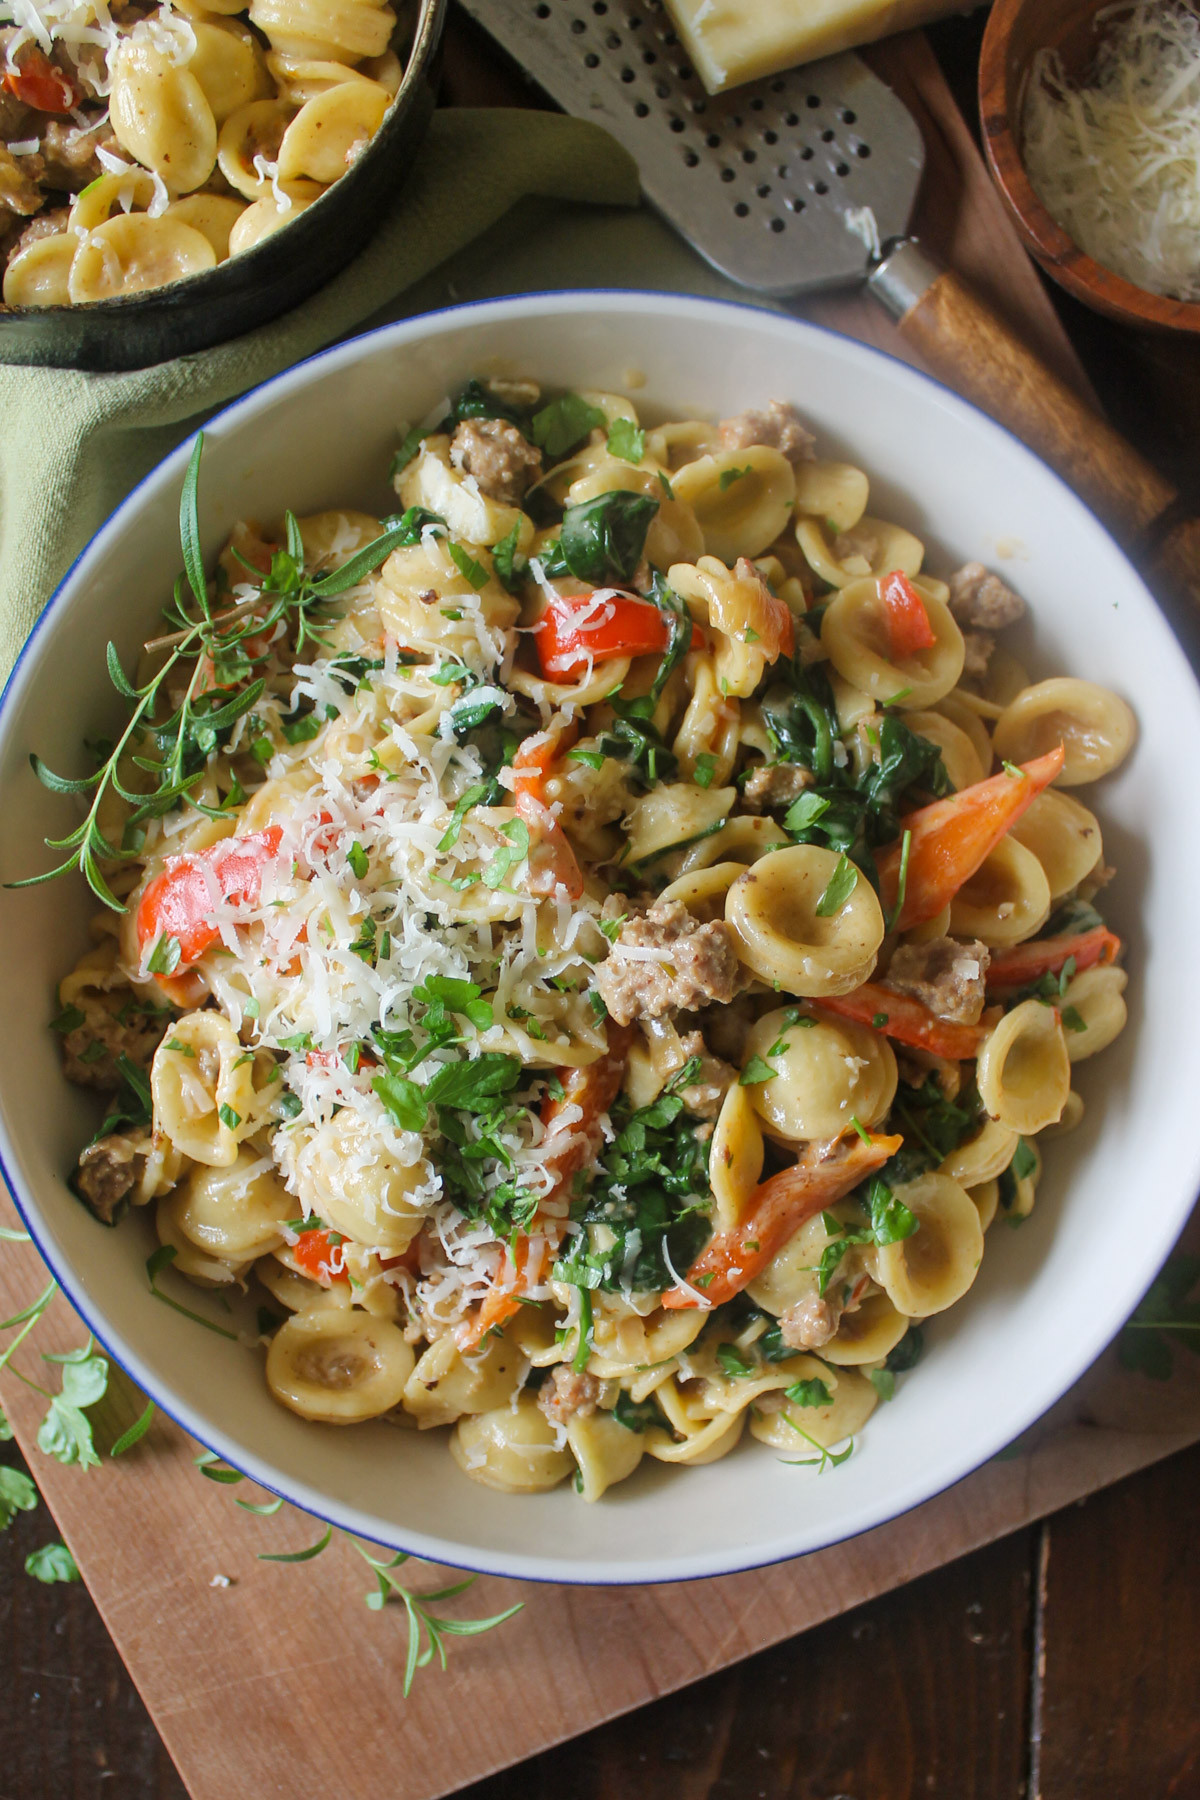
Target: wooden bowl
[
  {"x": 247, "y": 290},
  {"x": 1016, "y": 30}
]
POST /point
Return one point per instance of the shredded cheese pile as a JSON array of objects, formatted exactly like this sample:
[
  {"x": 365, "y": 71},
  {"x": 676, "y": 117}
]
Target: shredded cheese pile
[{"x": 1117, "y": 162}]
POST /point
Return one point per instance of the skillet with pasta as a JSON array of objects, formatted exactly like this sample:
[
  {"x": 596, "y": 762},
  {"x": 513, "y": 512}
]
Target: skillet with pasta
[
  {"x": 593, "y": 953},
  {"x": 142, "y": 143}
]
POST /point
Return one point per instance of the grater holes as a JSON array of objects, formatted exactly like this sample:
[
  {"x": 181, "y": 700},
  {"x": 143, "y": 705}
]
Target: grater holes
[
  {"x": 741, "y": 210},
  {"x": 791, "y": 118},
  {"x": 728, "y": 174},
  {"x": 777, "y": 225},
  {"x": 541, "y": 12},
  {"x": 599, "y": 7},
  {"x": 770, "y": 137},
  {"x": 827, "y": 136},
  {"x": 806, "y": 153},
  {"x": 641, "y": 110},
  {"x": 591, "y": 60},
  {"x": 691, "y": 159},
  {"x": 578, "y": 25},
  {"x": 749, "y": 156},
  {"x": 847, "y": 117},
  {"x": 862, "y": 150},
  {"x": 628, "y": 75},
  {"x": 712, "y": 141},
  {"x": 649, "y": 56},
  {"x": 763, "y": 190},
  {"x": 795, "y": 204},
  {"x": 842, "y": 169},
  {"x": 613, "y": 42},
  {"x": 676, "y": 123},
  {"x": 820, "y": 187},
  {"x": 662, "y": 90},
  {"x": 813, "y": 101}
]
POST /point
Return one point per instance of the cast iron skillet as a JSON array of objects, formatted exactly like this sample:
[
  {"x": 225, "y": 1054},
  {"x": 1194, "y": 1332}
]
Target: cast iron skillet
[{"x": 247, "y": 290}]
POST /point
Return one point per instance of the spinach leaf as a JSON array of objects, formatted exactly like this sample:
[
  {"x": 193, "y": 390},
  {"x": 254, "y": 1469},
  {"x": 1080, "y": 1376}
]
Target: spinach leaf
[
  {"x": 560, "y": 427},
  {"x": 602, "y": 539}
]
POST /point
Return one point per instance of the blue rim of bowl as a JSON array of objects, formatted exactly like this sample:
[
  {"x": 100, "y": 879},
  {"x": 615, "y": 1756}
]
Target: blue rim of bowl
[{"x": 616, "y": 1574}]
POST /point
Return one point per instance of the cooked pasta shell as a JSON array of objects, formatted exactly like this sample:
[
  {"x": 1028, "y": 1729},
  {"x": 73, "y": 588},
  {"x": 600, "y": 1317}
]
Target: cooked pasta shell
[
  {"x": 330, "y": 30},
  {"x": 781, "y": 934},
  {"x": 982, "y": 1156},
  {"x": 446, "y": 1384},
  {"x": 959, "y": 708},
  {"x": 703, "y": 890},
  {"x": 627, "y": 1347},
  {"x": 128, "y": 189},
  {"x": 742, "y": 840},
  {"x": 960, "y": 756},
  {"x": 792, "y": 1273},
  {"x": 1023, "y": 1070},
  {"x": 348, "y": 1174},
  {"x": 251, "y": 136},
  {"x": 833, "y": 491},
  {"x": 212, "y": 215},
  {"x": 1097, "y": 997},
  {"x": 297, "y": 1292},
  {"x": 674, "y": 813},
  {"x": 190, "y": 1259},
  {"x": 827, "y": 1072},
  {"x": 194, "y": 1083},
  {"x": 604, "y": 1450},
  {"x": 854, "y": 633},
  {"x": 866, "y": 1334},
  {"x": 133, "y": 252},
  {"x": 796, "y": 1429},
  {"x": 233, "y": 1213},
  {"x": 1072, "y": 1116},
  {"x": 871, "y": 547},
  {"x": 985, "y": 1199},
  {"x": 330, "y": 132},
  {"x": 161, "y": 116},
  {"x": 741, "y": 498},
  {"x": 698, "y": 1440},
  {"x": 682, "y": 441},
  {"x": 929, "y": 1271},
  {"x": 472, "y": 517},
  {"x": 512, "y": 1449},
  {"x": 735, "y": 1157},
  {"x": 263, "y": 217},
  {"x": 1095, "y": 727},
  {"x": 40, "y": 275},
  {"x": 338, "y": 1367},
  {"x": 1065, "y": 838},
  {"x": 299, "y": 79},
  {"x": 228, "y": 64},
  {"x": 1006, "y": 900}
]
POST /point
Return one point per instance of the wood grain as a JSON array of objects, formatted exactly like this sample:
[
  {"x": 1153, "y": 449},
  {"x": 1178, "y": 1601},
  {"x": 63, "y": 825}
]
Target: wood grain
[{"x": 1119, "y": 1644}]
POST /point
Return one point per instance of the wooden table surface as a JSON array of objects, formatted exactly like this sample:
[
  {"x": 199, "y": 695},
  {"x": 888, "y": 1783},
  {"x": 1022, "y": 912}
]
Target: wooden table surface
[{"x": 1062, "y": 1662}]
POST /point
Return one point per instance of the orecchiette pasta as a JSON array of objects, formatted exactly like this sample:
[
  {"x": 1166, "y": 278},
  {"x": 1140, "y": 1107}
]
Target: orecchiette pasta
[{"x": 589, "y": 979}]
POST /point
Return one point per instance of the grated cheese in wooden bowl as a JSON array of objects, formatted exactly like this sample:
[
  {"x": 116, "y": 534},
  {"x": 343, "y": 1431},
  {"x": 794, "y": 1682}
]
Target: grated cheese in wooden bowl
[{"x": 1117, "y": 161}]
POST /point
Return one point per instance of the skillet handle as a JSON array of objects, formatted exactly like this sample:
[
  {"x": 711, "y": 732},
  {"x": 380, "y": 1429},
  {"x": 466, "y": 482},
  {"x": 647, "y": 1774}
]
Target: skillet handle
[{"x": 968, "y": 346}]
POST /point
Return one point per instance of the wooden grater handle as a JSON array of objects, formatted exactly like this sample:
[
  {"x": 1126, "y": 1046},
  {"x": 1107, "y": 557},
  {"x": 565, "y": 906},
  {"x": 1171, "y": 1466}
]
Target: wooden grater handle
[{"x": 968, "y": 346}]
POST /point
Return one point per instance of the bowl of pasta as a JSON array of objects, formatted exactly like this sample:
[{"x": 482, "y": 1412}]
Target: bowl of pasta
[
  {"x": 173, "y": 176},
  {"x": 641, "y": 844}
]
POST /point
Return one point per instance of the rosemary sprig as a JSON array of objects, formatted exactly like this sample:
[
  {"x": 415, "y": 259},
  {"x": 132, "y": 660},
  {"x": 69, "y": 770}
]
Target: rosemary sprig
[{"x": 224, "y": 650}]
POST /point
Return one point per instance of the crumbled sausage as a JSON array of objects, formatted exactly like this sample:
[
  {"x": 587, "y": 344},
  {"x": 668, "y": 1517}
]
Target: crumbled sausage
[
  {"x": 946, "y": 976},
  {"x": 70, "y": 153},
  {"x": 667, "y": 962},
  {"x": 90, "y": 1050},
  {"x": 48, "y": 223},
  {"x": 779, "y": 428},
  {"x": 977, "y": 597},
  {"x": 776, "y": 784},
  {"x": 977, "y": 648},
  {"x": 501, "y": 460},
  {"x": 568, "y": 1395},
  {"x": 109, "y": 1170},
  {"x": 714, "y": 1078},
  {"x": 810, "y": 1322}
]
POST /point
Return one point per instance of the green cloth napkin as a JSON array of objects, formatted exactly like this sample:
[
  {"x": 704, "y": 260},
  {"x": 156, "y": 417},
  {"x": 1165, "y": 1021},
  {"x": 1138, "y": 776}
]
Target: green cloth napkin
[{"x": 72, "y": 444}]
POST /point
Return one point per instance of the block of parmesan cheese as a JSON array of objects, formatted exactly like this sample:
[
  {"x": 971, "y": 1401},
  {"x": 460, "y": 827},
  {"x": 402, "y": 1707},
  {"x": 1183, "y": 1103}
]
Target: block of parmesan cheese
[{"x": 731, "y": 41}]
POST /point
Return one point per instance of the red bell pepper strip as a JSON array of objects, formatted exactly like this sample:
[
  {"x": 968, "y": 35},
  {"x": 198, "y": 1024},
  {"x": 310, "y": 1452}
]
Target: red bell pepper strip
[
  {"x": 179, "y": 901},
  {"x": 536, "y": 757},
  {"x": 905, "y": 1019},
  {"x": 579, "y": 628},
  {"x": 952, "y": 838},
  {"x": 755, "y": 615},
  {"x": 313, "y": 1253},
  {"x": 37, "y": 83},
  {"x": 1027, "y": 963},
  {"x": 777, "y": 1210},
  {"x": 552, "y": 862},
  {"x": 593, "y": 1089},
  {"x": 908, "y": 624}
]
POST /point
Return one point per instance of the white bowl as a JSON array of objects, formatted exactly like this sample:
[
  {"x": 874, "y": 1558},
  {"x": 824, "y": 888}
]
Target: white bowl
[{"x": 1115, "y": 1194}]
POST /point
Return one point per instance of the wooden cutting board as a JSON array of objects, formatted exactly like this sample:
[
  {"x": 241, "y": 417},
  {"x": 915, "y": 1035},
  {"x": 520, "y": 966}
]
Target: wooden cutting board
[{"x": 272, "y": 1680}]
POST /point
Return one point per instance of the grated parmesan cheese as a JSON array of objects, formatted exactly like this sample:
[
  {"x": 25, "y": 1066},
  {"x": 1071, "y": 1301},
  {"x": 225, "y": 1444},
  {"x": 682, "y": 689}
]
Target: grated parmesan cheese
[{"x": 1117, "y": 161}]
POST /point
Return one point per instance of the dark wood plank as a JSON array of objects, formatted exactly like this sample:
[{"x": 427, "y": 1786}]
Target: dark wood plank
[
  {"x": 1118, "y": 1638},
  {"x": 71, "y": 1723},
  {"x": 922, "y": 1693}
]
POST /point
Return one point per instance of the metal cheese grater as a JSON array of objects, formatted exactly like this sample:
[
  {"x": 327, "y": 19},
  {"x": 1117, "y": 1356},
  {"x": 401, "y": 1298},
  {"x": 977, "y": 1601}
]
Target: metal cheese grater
[{"x": 760, "y": 180}]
